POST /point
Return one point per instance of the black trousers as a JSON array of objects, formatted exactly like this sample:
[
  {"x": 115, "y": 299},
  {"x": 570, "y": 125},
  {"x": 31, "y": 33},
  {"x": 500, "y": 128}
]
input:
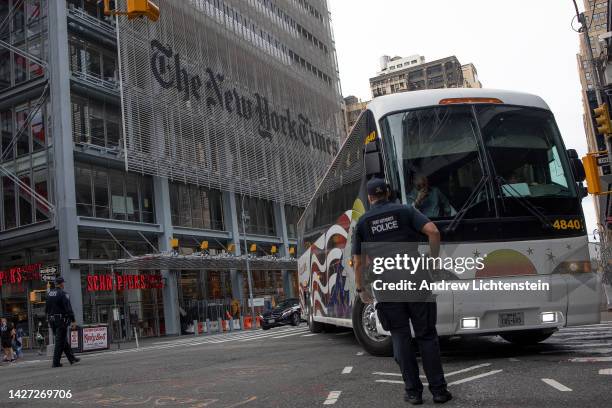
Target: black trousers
[
  {"x": 60, "y": 332},
  {"x": 396, "y": 318}
]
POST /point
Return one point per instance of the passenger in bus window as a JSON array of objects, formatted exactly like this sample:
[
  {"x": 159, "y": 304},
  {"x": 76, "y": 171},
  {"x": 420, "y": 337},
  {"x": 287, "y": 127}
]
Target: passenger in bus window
[{"x": 429, "y": 199}]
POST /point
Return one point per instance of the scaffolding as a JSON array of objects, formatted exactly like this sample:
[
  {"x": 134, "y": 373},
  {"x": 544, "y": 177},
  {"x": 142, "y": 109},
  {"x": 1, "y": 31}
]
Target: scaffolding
[{"x": 4, "y": 169}]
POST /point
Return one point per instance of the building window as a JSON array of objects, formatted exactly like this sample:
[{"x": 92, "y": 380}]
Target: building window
[
  {"x": 32, "y": 135},
  {"x": 292, "y": 216},
  {"x": 110, "y": 193},
  {"x": 25, "y": 30},
  {"x": 259, "y": 215},
  {"x": 95, "y": 122},
  {"x": 196, "y": 207},
  {"x": 20, "y": 208}
]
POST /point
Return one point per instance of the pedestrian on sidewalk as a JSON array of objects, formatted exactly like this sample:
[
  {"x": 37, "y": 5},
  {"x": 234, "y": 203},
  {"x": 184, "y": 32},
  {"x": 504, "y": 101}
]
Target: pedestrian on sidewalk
[
  {"x": 7, "y": 333},
  {"x": 18, "y": 343},
  {"x": 40, "y": 340}
]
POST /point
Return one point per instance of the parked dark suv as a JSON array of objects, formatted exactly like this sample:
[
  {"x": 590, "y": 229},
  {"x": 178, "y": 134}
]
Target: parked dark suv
[{"x": 286, "y": 312}]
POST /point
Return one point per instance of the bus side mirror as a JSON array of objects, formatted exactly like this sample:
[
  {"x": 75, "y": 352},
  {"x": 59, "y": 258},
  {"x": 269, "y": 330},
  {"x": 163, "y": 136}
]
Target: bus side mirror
[
  {"x": 577, "y": 167},
  {"x": 372, "y": 160},
  {"x": 591, "y": 174},
  {"x": 582, "y": 191}
]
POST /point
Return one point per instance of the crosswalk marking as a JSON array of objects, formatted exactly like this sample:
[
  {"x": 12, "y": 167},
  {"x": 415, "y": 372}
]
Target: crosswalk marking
[
  {"x": 555, "y": 384},
  {"x": 590, "y": 360},
  {"x": 592, "y": 342},
  {"x": 474, "y": 377},
  {"x": 291, "y": 334},
  {"x": 390, "y": 381},
  {"x": 464, "y": 370},
  {"x": 332, "y": 398}
]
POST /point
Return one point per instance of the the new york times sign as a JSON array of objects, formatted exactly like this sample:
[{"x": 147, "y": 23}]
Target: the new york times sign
[{"x": 211, "y": 90}]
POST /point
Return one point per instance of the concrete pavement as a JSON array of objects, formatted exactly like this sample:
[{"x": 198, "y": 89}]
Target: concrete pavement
[{"x": 291, "y": 367}]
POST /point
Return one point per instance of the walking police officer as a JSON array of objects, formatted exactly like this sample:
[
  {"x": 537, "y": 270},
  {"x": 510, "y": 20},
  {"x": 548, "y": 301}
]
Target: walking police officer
[
  {"x": 388, "y": 222},
  {"x": 60, "y": 316}
]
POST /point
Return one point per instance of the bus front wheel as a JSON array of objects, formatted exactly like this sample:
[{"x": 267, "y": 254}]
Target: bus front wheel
[
  {"x": 314, "y": 327},
  {"x": 364, "y": 326},
  {"x": 527, "y": 337}
]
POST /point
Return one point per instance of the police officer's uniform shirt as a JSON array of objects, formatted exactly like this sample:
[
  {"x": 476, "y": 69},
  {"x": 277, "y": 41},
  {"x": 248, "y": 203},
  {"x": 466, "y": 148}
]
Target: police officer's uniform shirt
[
  {"x": 382, "y": 225},
  {"x": 388, "y": 222},
  {"x": 58, "y": 303}
]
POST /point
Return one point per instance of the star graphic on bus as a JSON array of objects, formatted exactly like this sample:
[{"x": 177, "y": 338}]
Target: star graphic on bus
[
  {"x": 530, "y": 251},
  {"x": 476, "y": 254},
  {"x": 550, "y": 256}
]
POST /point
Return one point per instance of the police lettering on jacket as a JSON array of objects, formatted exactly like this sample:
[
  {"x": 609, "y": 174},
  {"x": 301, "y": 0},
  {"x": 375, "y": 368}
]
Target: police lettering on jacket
[{"x": 388, "y": 223}]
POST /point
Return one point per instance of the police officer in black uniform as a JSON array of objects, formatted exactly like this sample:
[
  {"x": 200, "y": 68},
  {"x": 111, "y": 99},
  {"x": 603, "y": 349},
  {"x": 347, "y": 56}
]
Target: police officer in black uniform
[
  {"x": 392, "y": 222},
  {"x": 60, "y": 316}
]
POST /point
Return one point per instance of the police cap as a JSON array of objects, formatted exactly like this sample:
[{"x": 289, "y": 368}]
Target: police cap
[
  {"x": 59, "y": 280},
  {"x": 377, "y": 186}
]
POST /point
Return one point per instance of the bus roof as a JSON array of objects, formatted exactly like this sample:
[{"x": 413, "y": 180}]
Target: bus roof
[{"x": 382, "y": 105}]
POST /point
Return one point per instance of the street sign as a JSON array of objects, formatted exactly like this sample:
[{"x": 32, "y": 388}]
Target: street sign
[
  {"x": 257, "y": 302},
  {"x": 603, "y": 161},
  {"x": 48, "y": 273}
]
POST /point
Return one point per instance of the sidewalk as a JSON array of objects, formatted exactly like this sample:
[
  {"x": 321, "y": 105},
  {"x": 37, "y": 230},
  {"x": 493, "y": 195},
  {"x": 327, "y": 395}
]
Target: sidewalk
[
  {"x": 29, "y": 355},
  {"x": 32, "y": 354}
]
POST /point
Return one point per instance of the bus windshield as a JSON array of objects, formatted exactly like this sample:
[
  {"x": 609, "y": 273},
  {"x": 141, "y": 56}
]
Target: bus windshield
[{"x": 438, "y": 158}]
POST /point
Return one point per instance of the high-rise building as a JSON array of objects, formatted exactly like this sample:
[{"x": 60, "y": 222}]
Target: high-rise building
[
  {"x": 470, "y": 76},
  {"x": 596, "y": 14},
  {"x": 353, "y": 108},
  {"x": 210, "y": 126},
  {"x": 412, "y": 73}
]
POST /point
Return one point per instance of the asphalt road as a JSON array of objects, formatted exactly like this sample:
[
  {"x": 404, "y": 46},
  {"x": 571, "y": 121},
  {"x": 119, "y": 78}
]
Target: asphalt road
[{"x": 290, "y": 367}]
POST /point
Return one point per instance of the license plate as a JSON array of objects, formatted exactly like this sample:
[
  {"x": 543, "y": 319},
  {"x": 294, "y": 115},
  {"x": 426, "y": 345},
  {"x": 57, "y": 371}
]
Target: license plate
[
  {"x": 511, "y": 319},
  {"x": 270, "y": 320}
]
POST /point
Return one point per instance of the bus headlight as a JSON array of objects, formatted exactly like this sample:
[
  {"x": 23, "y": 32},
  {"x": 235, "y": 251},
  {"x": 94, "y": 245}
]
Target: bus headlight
[
  {"x": 548, "y": 317},
  {"x": 469, "y": 323}
]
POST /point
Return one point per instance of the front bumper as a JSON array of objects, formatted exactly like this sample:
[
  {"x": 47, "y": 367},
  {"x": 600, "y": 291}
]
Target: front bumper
[{"x": 574, "y": 299}]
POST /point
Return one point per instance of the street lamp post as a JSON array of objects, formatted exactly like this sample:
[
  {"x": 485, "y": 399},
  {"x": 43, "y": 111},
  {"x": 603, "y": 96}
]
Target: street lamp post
[
  {"x": 246, "y": 251},
  {"x": 249, "y": 278}
]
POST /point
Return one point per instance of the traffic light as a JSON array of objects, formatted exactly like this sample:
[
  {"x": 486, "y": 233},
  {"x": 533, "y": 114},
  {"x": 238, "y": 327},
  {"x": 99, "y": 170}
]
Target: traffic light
[
  {"x": 592, "y": 174},
  {"x": 138, "y": 8},
  {"x": 602, "y": 118},
  {"x": 135, "y": 8}
]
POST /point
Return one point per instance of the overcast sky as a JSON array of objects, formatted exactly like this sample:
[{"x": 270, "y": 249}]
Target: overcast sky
[{"x": 517, "y": 45}]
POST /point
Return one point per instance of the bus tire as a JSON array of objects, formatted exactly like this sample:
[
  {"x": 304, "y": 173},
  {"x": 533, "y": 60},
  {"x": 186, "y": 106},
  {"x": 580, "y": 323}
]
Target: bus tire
[
  {"x": 527, "y": 337},
  {"x": 314, "y": 327},
  {"x": 364, "y": 327}
]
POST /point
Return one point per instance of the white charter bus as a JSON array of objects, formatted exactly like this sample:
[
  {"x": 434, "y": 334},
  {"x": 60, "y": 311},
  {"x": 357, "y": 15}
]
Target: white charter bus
[{"x": 509, "y": 190}]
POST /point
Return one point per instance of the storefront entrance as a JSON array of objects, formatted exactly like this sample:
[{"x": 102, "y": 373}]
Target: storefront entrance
[
  {"x": 128, "y": 302},
  {"x": 22, "y": 292}
]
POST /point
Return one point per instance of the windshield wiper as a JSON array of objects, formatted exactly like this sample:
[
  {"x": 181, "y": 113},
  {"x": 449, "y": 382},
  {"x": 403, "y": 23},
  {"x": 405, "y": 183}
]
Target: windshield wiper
[
  {"x": 467, "y": 205},
  {"x": 528, "y": 205}
]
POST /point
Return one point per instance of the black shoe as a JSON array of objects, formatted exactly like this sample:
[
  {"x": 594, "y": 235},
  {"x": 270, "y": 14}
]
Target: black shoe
[
  {"x": 415, "y": 399},
  {"x": 75, "y": 360},
  {"x": 56, "y": 365},
  {"x": 442, "y": 397}
]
